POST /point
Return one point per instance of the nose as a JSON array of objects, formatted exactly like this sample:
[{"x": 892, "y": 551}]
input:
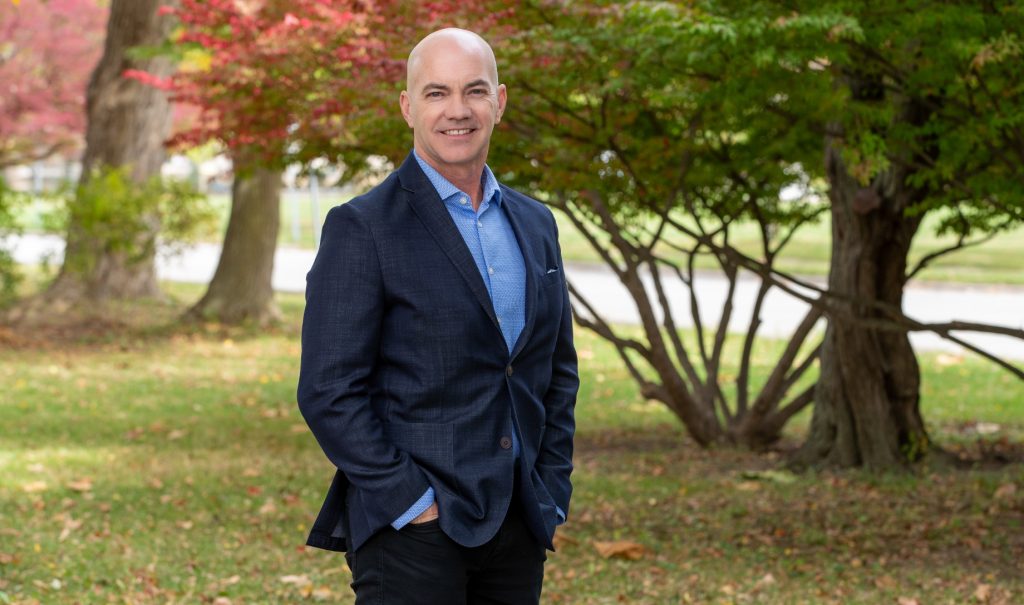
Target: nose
[{"x": 456, "y": 108}]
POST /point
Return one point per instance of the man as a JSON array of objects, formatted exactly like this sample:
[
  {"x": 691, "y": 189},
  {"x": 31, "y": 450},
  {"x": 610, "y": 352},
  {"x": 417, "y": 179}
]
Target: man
[{"x": 438, "y": 369}]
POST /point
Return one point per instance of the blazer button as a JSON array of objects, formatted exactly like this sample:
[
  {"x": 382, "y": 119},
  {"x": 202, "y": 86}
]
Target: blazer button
[
  {"x": 508, "y": 372},
  {"x": 505, "y": 443}
]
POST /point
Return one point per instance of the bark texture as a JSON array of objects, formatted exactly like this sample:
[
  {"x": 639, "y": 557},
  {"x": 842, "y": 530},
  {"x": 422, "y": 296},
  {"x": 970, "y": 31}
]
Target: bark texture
[
  {"x": 127, "y": 125},
  {"x": 867, "y": 398},
  {"x": 241, "y": 288}
]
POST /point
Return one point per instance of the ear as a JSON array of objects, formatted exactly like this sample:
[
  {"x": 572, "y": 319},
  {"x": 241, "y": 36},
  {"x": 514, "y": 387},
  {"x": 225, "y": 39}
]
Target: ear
[
  {"x": 405, "y": 102},
  {"x": 502, "y": 100}
]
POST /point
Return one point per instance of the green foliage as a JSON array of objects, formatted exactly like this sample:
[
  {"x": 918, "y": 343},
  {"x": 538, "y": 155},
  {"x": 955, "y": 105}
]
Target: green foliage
[
  {"x": 10, "y": 277},
  {"x": 722, "y": 100},
  {"x": 127, "y": 217}
]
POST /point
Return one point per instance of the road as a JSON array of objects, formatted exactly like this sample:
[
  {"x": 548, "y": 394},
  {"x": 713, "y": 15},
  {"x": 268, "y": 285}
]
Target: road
[{"x": 781, "y": 312}]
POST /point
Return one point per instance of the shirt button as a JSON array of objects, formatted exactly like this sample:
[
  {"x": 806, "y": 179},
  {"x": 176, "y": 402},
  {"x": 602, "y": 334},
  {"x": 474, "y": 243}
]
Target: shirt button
[
  {"x": 505, "y": 443},
  {"x": 463, "y": 201},
  {"x": 508, "y": 371},
  {"x": 479, "y": 224},
  {"x": 490, "y": 270}
]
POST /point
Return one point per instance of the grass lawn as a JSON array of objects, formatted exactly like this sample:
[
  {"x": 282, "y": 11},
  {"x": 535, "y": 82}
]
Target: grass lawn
[{"x": 142, "y": 462}]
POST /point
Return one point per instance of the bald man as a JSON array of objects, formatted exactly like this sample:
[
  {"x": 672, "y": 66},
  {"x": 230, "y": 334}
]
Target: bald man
[{"x": 438, "y": 369}]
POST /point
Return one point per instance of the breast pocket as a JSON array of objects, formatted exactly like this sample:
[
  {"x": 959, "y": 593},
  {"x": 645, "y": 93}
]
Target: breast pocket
[{"x": 551, "y": 279}]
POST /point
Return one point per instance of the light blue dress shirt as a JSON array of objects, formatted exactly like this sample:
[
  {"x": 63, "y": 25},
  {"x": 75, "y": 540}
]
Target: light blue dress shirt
[{"x": 492, "y": 242}]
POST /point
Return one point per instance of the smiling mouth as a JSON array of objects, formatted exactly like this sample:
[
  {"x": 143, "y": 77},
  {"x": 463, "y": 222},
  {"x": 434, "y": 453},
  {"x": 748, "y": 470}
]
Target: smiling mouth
[{"x": 457, "y": 132}]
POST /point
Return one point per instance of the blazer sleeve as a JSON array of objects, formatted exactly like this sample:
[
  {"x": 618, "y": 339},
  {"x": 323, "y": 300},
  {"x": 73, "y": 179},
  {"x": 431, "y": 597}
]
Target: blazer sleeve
[
  {"x": 341, "y": 331},
  {"x": 554, "y": 461}
]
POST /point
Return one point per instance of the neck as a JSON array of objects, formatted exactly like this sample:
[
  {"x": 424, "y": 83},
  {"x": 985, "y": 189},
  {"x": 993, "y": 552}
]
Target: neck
[{"x": 466, "y": 178}]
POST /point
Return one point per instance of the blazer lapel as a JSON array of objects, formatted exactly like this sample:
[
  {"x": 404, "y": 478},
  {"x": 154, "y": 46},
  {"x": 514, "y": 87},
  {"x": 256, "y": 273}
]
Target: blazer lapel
[
  {"x": 427, "y": 205},
  {"x": 519, "y": 228}
]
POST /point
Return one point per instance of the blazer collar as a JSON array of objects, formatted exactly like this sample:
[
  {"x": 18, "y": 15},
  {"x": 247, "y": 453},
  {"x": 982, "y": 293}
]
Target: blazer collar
[
  {"x": 526, "y": 246},
  {"x": 425, "y": 202}
]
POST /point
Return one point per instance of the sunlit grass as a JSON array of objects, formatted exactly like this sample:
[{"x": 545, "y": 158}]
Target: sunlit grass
[{"x": 170, "y": 465}]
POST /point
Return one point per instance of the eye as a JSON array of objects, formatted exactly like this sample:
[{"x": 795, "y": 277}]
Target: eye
[
  {"x": 478, "y": 92},
  {"x": 434, "y": 94}
]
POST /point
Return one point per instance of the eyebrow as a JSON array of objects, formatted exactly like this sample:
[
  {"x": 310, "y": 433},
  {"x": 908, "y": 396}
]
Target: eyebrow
[
  {"x": 479, "y": 83},
  {"x": 445, "y": 88}
]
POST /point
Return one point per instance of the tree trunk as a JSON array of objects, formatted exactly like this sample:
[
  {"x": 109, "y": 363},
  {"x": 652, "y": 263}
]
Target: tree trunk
[
  {"x": 241, "y": 288},
  {"x": 127, "y": 124},
  {"x": 867, "y": 399}
]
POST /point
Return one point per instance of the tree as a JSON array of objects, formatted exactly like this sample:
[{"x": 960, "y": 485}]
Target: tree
[
  {"x": 126, "y": 125},
  {"x": 260, "y": 89},
  {"x": 48, "y": 51},
  {"x": 276, "y": 83},
  {"x": 930, "y": 126},
  {"x": 709, "y": 108},
  {"x": 612, "y": 124}
]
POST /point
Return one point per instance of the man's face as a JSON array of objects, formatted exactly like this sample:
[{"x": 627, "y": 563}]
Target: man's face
[{"x": 452, "y": 105}]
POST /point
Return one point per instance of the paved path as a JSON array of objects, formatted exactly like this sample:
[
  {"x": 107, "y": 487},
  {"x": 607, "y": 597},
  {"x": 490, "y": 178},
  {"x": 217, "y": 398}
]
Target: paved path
[{"x": 780, "y": 314}]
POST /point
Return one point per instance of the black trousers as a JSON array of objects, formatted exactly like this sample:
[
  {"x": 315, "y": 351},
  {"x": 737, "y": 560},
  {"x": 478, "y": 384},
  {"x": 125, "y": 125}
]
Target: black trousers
[{"x": 420, "y": 565}]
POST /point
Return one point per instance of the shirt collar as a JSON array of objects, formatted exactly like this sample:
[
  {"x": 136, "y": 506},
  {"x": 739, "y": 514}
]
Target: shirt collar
[{"x": 446, "y": 190}]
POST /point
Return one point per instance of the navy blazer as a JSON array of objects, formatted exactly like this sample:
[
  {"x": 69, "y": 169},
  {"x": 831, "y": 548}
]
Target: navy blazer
[{"x": 406, "y": 381}]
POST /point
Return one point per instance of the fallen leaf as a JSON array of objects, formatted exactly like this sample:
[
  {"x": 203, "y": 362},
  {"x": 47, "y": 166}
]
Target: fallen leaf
[
  {"x": 986, "y": 428},
  {"x": 176, "y": 434},
  {"x": 222, "y": 601},
  {"x": 81, "y": 485},
  {"x": 783, "y": 477},
  {"x": 186, "y": 525},
  {"x": 885, "y": 582},
  {"x": 983, "y": 593},
  {"x": 6, "y": 559},
  {"x": 620, "y": 549},
  {"x": 907, "y": 601},
  {"x": 70, "y": 525},
  {"x": 34, "y": 486},
  {"x": 323, "y": 592},
  {"x": 561, "y": 539},
  {"x": 268, "y": 508},
  {"x": 298, "y": 580},
  {"x": 1005, "y": 492}
]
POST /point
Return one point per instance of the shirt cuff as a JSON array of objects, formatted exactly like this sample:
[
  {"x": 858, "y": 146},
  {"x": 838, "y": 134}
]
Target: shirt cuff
[
  {"x": 415, "y": 510},
  {"x": 561, "y": 516}
]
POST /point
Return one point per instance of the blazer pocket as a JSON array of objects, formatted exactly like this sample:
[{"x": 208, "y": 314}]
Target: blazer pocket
[
  {"x": 430, "y": 445},
  {"x": 549, "y": 279}
]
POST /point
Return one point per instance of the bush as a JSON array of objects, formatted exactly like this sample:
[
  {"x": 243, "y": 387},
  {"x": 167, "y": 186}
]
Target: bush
[
  {"x": 120, "y": 215},
  {"x": 10, "y": 276}
]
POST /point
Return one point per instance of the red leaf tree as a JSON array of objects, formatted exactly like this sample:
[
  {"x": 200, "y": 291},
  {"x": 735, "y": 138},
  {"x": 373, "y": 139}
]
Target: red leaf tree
[
  {"x": 278, "y": 82},
  {"x": 47, "y": 51}
]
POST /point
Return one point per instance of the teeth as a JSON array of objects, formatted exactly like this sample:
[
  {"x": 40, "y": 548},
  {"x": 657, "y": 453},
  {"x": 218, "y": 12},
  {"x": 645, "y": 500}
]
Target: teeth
[{"x": 457, "y": 132}]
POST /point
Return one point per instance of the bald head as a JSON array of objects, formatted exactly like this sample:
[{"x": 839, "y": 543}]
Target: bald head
[{"x": 444, "y": 41}]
